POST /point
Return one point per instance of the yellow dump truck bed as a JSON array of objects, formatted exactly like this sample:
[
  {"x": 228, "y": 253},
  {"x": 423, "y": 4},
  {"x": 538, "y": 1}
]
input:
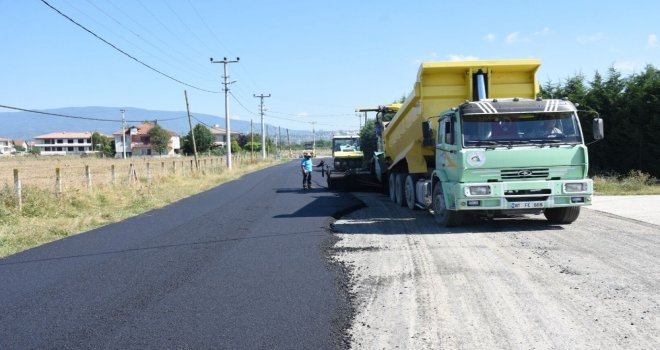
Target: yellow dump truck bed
[{"x": 442, "y": 85}]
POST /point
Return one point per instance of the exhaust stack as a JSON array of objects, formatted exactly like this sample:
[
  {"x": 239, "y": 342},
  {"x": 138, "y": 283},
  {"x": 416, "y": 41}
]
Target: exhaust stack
[{"x": 479, "y": 81}]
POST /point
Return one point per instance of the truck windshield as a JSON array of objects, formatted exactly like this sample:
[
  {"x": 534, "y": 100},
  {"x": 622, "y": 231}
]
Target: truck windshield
[
  {"x": 346, "y": 145},
  {"x": 520, "y": 129}
]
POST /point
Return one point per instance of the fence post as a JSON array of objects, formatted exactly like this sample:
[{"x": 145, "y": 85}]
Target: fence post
[
  {"x": 113, "y": 174},
  {"x": 183, "y": 169},
  {"x": 58, "y": 181},
  {"x": 192, "y": 166},
  {"x": 132, "y": 174},
  {"x": 88, "y": 175},
  {"x": 148, "y": 173},
  {"x": 18, "y": 190},
  {"x": 162, "y": 168}
]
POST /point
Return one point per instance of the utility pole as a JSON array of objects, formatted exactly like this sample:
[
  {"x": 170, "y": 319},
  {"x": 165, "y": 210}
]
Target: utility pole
[
  {"x": 279, "y": 141},
  {"x": 251, "y": 141},
  {"x": 226, "y": 89},
  {"x": 263, "y": 134},
  {"x": 314, "y": 138},
  {"x": 185, "y": 93},
  {"x": 123, "y": 134},
  {"x": 288, "y": 141},
  {"x": 365, "y": 119},
  {"x": 360, "y": 119}
]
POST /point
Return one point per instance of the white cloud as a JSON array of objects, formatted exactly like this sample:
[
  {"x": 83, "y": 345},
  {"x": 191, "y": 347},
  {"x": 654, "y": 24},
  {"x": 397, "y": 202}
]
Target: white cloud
[
  {"x": 584, "y": 39},
  {"x": 512, "y": 38},
  {"x": 462, "y": 58},
  {"x": 490, "y": 37},
  {"x": 545, "y": 31},
  {"x": 628, "y": 66},
  {"x": 302, "y": 114},
  {"x": 652, "y": 41}
]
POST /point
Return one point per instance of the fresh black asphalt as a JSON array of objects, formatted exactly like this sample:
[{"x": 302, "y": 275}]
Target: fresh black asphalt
[{"x": 241, "y": 266}]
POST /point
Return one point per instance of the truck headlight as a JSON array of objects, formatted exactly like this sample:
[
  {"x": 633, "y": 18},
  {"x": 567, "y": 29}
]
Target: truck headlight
[
  {"x": 482, "y": 190},
  {"x": 570, "y": 187}
]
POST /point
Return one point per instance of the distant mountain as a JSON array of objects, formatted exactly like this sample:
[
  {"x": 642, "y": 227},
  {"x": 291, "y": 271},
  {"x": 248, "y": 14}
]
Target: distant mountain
[{"x": 26, "y": 125}]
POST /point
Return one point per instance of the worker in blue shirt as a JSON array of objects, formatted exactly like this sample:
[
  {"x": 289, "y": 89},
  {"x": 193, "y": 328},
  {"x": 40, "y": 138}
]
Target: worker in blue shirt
[{"x": 306, "y": 166}]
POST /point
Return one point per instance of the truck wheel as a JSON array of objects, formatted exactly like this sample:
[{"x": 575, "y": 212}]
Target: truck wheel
[
  {"x": 392, "y": 186},
  {"x": 409, "y": 191},
  {"x": 399, "y": 183},
  {"x": 562, "y": 215},
  {"x": 442, "y": 215}
]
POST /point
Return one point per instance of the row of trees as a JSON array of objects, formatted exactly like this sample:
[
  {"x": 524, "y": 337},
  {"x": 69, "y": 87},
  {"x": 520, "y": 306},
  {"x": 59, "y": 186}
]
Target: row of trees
[{"x": 630, "y": 108}]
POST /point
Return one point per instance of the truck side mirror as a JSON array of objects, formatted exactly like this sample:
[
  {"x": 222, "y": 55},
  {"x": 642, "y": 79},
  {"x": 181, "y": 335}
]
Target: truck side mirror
[{"x": 598, "y": 129}]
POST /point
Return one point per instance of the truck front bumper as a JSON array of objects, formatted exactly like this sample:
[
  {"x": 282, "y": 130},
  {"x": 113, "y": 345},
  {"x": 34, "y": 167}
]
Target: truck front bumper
[{"x": 521, "y": 195}]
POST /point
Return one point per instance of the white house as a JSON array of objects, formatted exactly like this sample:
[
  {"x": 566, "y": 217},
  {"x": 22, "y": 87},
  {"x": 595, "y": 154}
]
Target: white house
[
  {"x": 220, "y": 136},
  {"x": 64, "y": 143},
  {"x": 138, "y": 142},
  {"x": 6, "y": 146}
]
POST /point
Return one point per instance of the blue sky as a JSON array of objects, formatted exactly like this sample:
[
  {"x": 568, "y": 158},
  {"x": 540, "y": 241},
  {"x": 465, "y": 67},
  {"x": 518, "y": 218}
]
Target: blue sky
[{"x": 319, "y": 60}]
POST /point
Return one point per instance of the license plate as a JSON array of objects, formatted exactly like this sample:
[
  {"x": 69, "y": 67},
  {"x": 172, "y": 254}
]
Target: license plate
[{"x": 526, "y": 205}]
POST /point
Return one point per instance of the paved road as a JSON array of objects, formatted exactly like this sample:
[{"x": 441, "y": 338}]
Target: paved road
[
  {"x": 516, "y": 283},
  {"x": 239, "y": 267}
]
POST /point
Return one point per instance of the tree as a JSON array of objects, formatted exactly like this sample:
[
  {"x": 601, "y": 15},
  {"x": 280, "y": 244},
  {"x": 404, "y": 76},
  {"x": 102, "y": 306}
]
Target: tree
[
  {"x": 235, "y": 147},
  {"x": 159, "y": 139},
  {"x": 203, "y": 140},
  {"x": 368, "y": 140},
  {"x": 102, "y": 144},
  {"x": 252, "y": 146}
]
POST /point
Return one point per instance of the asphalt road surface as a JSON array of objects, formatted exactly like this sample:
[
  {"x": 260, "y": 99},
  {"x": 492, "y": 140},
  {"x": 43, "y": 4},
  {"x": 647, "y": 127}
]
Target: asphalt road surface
[
  {"x": 505, "y": 284},
  {"x": 241, "y": 266}
]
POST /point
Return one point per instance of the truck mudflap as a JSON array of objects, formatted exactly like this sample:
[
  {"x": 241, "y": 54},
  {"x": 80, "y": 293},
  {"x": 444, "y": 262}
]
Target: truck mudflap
[{"x": 519, "y": 196}]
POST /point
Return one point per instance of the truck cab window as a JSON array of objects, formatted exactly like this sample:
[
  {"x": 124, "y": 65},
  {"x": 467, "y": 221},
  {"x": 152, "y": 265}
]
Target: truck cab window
[{"x": 447, "y": 130}]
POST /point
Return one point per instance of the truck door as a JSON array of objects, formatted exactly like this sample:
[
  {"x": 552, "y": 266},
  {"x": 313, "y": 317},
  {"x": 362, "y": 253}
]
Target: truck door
[{"x": 447, "y": 148}]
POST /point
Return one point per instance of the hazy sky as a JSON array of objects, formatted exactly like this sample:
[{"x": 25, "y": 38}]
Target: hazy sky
[{"x": 319, "y": 60}]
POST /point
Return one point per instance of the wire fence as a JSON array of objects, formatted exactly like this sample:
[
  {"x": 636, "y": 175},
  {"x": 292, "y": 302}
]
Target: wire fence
[{"x": 66, "y": 174}]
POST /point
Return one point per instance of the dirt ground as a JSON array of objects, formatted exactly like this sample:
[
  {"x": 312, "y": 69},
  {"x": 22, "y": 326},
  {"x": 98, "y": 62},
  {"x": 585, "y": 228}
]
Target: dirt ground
[{"x": 504, "y": 284}]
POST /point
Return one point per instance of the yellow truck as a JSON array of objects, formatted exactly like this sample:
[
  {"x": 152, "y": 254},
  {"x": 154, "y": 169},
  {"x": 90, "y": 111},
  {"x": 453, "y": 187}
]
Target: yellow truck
[{"x": 472, "y": 137}]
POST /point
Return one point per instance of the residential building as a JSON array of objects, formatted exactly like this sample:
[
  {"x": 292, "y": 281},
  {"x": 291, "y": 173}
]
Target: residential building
[
  {"x": 6, "y": 146},
  {"x": 64, "y": 143},
  {"x": 138, "y": 142},
  {"x": 220, "y": 136}
]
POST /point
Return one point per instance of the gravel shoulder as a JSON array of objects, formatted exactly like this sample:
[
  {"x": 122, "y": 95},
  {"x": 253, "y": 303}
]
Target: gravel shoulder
[{"x": 511, "y": 283}]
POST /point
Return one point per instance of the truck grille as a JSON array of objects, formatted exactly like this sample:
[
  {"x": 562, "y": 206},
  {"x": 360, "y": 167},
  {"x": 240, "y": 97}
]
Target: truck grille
[{"x": 525, "y": 173}]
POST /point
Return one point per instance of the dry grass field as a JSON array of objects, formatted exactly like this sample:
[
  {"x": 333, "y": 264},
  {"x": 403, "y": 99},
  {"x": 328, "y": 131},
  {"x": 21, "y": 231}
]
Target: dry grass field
[{"x": 47, "y": 215}]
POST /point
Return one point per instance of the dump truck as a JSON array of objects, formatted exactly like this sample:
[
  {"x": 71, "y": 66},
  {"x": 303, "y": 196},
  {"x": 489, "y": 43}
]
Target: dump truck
[
  {"x": 349, "y": 169},
  {"x": 473, "y": 138}
]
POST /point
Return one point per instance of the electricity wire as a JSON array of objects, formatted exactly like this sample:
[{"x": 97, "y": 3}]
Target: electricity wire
[{"x": 125, "y": 53}]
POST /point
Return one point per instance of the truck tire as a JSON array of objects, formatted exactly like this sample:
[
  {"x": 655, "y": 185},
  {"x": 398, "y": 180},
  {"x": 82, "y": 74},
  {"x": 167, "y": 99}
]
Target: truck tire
[
  {"x": 392, "y": 187},
  {"x": 562, "y": 215},
  {"x": 443, "y": 216},
  {"x": 399, "y": 183},
  {"x": 409, "y": 191}
]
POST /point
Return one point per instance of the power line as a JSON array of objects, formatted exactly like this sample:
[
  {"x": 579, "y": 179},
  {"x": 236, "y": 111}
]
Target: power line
[
  {"x": 124, "y": 52},
  {"x": 79, "y": 117},
  {"x": 181, "y": 63},
  {"x": 186, "y": 25}
]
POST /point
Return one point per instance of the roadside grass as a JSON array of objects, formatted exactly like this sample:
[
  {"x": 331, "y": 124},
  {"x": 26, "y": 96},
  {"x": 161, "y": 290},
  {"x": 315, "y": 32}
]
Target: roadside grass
[
  {"x": 633, "y": 183},
  {"x": 47, "y": 217}
]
